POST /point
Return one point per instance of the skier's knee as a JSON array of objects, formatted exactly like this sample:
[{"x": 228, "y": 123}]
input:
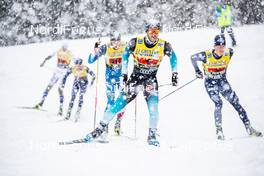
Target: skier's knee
[
  {"x": 219, "y": 104},
  {"x": 60, "y": 90}
]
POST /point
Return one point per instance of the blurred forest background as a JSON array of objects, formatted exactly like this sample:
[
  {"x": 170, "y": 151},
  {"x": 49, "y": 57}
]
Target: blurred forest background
[{"x": 30, "y": 21}]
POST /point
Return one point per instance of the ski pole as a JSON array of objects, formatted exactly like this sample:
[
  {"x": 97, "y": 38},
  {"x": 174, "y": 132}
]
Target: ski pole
[
  {"x": 177, "y": 89},
  {"x": 96, "y": 90},
  {"x": 168, "y": 84},
  {"x": 135, "y": 132}
]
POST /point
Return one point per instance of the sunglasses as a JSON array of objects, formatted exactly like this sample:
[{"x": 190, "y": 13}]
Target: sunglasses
[{"x": 153, "y": 31}]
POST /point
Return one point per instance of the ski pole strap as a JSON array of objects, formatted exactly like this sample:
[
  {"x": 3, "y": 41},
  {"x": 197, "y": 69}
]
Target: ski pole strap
[{"x": 177, "y": 89}]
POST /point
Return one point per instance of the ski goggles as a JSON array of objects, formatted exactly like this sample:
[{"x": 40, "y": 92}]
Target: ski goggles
[{"x": 155, "y": 31}]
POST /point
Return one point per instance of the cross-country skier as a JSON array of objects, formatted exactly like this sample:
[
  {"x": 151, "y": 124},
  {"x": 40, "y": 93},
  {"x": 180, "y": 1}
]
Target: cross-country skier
[
  {"x": 215, "y": 63},
  {"x": 148, "y": 53},
  {"x": 64, "y": 57},
  {"x": 224, "y": 19},
  {"x": 112, "y": 53},
  {"x": 80, "y": 84}
]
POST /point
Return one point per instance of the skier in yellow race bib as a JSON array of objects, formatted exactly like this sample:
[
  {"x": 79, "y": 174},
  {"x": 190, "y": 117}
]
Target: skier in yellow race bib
[
  {"x": 80, "y": 83},
  {"x": 215, "y": 63},
  {"x": 148, "y": 53},
  {"x": 64, "y": 57},
  {"x": 112, "y": 53}
]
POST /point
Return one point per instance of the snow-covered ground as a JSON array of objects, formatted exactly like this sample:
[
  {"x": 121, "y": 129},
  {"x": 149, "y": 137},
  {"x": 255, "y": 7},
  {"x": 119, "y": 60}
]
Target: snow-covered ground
[{"x": 29, "y": 138}]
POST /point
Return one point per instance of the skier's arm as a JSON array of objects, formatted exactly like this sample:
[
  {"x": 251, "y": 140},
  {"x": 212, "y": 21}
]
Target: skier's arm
[
  {"x": 195, "y": 58},
  {"x": 90, "y": 72},
  {"x": 69, "y": 71},
  {"x": 171, "y": 54},
  {"x": 173, "y": 62},
  {"x": 128, "y": 50},
  {"x": 231, "y": 52},
  {"x": 94, "y": 56},
  {"x": 47, "y": 58},
  {"x": 218, "y": 11}
]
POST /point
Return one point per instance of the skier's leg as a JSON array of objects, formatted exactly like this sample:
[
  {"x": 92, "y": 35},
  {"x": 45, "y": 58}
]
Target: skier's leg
[
  {"x": 63, "y": 78},
  {"x": 231, "y": 34},
  {"x": 83, "y": 88},
  {"x": 212, "y": 88},
  {"x": 60, "y": 90},
  {"x": 110, "y": 94},
  {"x": 233, "y": 99},
  {"x": 222, "y": 30},
  {"x": 75, "y": 89},
  {"x": 152, "y": 98},
  {"x": 125, "y": 96},
  {"x": 120, "y": 114},
  {"x": 52, "y": 81}
]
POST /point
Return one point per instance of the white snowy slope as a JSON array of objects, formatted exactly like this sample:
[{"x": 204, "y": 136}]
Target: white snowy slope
[{"x": 29, "y": 138}]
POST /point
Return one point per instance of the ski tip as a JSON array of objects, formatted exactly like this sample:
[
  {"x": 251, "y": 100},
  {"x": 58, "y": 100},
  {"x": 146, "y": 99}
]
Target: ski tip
[{"x": 61, "y": 143}]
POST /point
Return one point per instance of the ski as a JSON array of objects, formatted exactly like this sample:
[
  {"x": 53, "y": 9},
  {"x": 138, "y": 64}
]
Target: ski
[
  {"x": 75, "y": 141},
  {"x": 102, "y": 141},
  {"x": 30, "y": 107}
]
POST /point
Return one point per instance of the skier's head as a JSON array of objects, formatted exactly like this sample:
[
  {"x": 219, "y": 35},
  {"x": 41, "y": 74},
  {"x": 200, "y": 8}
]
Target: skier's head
[
  {"x": 227, "y": 2},
  {"x": 219, "y": 44},
  {"x": 65, "y": 46},
  {"x": 115, "y": 39},
  {"x": 153, "y": 28},
  {"x": 78, "y": 61}
]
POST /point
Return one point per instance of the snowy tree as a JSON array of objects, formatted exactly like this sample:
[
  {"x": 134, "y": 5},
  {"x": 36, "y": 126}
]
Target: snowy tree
[{"x": 29, "y": 21}]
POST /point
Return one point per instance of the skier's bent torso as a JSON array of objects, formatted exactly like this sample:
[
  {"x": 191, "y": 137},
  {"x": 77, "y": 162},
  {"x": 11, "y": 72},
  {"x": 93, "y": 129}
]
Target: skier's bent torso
[{"x": 148, "y": 53}]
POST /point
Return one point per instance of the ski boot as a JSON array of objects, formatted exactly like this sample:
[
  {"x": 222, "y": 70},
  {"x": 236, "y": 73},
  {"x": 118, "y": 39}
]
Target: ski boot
[
  {"x": 39, "y": 105},
  {"x": 96, "y": 133},
  {"x": 77, "y": 115},
  {"x": 60, "y": 110},
  {"x": 219, "y": 133},
  {"x": 68, "y": 115},
  {"x": 117, "y": 128},
  {"x": 252, "y": 132},
  {"x": 104, "y": 136},
  {"x": 152, "y": 137}
]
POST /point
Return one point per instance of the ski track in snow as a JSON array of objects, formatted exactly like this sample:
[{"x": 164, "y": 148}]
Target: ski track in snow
[{"x": 29, "y": 138}]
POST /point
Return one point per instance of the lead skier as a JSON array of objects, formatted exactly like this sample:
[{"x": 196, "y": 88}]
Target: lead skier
[{"x": 148, "y": 53}]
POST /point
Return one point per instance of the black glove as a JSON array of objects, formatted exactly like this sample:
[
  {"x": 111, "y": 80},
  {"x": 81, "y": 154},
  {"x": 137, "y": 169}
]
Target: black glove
[
  {"x": 124, "y": 78},
  {"x": 97, "y": 44},
  {"x": 92, "y": 82},
  {"x": 199, "y": 74},
  {"x": 174, "y": 79}
]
